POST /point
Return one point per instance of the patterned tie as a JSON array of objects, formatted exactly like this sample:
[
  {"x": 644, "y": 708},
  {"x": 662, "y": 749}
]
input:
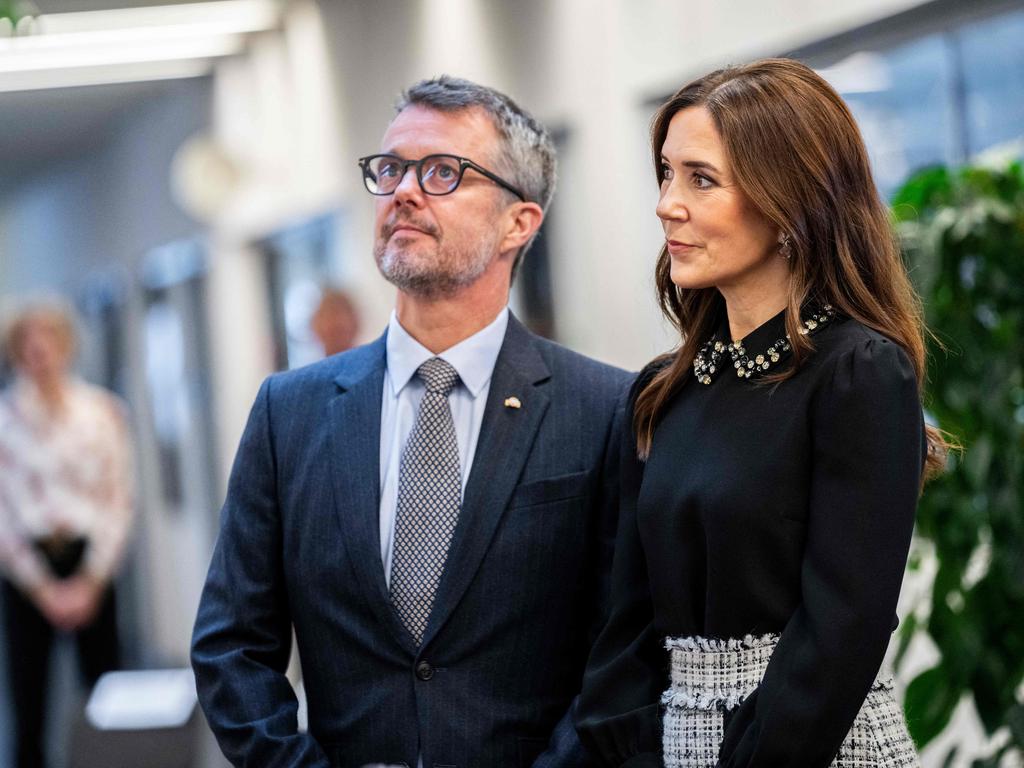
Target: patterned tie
[{"x": 429, "y": 497}]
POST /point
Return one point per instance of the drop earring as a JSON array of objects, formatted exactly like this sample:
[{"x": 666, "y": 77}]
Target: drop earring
[{"x": 785, "y": 250}]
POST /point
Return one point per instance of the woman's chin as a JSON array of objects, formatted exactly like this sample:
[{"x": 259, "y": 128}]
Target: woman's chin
[{"x": 688, "y": 279}]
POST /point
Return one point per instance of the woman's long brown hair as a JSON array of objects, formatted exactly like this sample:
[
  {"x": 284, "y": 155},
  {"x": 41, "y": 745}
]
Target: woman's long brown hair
[{"x": 797, "y": 154}]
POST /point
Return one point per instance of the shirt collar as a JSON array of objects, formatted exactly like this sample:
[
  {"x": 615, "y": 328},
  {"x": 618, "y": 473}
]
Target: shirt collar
[
  {"x": 759, "y": 338},
  {"x": 759, "y": 350},
  {"x": 473, "y": 358}
]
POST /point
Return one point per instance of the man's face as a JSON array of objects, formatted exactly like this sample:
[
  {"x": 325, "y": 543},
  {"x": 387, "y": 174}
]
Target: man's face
[{"x": 429, "y": 245}]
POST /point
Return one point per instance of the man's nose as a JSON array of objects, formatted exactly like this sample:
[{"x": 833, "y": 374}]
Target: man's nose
[{"x": 408, "y": 189}]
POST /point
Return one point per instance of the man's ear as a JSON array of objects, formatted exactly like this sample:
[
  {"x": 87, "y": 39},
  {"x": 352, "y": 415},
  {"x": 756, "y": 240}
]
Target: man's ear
[{"x": 524, "y": 219}]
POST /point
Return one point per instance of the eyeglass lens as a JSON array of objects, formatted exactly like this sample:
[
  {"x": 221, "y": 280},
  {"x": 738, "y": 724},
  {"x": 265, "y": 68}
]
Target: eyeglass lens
[{"x": 439, "y": 174}]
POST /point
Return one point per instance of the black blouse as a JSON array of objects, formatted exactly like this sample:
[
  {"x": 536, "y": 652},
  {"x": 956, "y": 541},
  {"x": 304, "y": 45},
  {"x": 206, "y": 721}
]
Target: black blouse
[{"x": 765, "y": 508}]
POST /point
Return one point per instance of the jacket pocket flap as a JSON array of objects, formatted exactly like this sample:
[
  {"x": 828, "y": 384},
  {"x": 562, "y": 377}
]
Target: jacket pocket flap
[{"x": 550, "y": 489}]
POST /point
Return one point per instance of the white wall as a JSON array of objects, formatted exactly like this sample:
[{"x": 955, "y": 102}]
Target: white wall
[{"x": 591, "y": 67}]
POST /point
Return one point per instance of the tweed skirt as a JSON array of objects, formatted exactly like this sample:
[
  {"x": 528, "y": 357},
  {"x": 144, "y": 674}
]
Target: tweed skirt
[{"x": 710, "y": 677}]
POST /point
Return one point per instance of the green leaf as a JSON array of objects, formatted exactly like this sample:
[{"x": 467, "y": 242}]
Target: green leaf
[
  {"x": 1015, "y": 719},
  {"x": 929, "y": 704}
]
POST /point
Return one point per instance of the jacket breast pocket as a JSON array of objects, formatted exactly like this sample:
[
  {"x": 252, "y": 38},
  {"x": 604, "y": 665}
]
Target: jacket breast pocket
[{"x": 550, "y": 490}]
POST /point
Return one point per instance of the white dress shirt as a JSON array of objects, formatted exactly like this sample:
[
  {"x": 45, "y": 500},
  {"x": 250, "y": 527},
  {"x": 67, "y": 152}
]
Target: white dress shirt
[{"x": 473, "y": 359}]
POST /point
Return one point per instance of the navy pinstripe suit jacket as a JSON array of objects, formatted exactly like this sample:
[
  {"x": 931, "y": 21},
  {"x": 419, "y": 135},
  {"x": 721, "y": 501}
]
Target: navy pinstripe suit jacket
[{"x": 521, "y": 598}]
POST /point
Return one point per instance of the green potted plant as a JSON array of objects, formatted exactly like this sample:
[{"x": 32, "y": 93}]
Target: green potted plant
[
  {"x": 963, "y": 235},
  {"x": 15, "y": 15}
]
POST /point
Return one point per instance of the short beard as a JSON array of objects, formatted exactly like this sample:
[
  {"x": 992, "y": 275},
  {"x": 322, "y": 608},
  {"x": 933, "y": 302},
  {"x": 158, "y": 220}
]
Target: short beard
[{"x": 451, "y": 272}]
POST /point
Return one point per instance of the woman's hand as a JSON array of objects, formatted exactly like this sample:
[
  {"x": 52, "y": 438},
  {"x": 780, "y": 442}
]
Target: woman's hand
[{"x": 69, "y": 604}]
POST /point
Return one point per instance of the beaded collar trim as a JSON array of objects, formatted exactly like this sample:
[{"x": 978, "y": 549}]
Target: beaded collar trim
[{"x": 709, "y": 359}]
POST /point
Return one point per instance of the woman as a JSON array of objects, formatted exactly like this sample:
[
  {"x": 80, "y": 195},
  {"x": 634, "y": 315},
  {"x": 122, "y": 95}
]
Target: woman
[
  {"x": 763, "y": 540},
  {"x": 65, "y": 509}
]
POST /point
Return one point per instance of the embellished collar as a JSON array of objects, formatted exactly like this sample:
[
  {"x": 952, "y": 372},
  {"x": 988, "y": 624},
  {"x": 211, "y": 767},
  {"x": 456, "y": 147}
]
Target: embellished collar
[{"x": 769, "y": 343}]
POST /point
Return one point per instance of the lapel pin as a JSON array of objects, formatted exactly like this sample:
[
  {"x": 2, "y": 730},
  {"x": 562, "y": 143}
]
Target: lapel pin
[{"x": 513, "y": 402}]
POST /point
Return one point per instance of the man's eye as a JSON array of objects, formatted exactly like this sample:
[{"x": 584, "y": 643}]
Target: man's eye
[
  {"x": 388, "y": 169},
  {"x": 442, "y": 170}
]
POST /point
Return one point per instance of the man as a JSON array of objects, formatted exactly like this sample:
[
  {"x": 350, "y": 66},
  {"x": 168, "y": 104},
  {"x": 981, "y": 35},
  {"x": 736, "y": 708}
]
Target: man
[
  {"x": 434, "y": 511},
  {"x": 335, "y": 321}
]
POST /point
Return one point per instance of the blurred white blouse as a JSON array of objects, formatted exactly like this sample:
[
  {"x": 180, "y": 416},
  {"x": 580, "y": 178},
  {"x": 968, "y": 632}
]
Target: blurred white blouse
[{"x": 65, "y": 474}]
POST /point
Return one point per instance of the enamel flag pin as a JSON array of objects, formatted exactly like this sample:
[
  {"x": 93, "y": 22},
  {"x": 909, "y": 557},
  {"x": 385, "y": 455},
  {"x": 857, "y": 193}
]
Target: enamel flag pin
[{"x": 513, "y": 402}]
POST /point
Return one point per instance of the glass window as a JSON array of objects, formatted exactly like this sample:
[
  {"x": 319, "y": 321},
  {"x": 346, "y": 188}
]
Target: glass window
[
  {"x": 902, "y": 99},
  {"x": 993, "y": 70}
]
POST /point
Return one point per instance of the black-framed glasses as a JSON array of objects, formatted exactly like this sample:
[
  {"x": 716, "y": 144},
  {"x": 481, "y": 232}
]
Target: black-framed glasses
[{"x": 437, "y": 174}]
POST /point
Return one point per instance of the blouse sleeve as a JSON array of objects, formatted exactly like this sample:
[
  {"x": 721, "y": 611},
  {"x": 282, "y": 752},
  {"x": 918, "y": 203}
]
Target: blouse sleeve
[
  {"x": 618, "y": 712},
  {"x": 19, "y": 561},
  {"x": 114, "y": 496},
  {"x": 868, "y": 452}
]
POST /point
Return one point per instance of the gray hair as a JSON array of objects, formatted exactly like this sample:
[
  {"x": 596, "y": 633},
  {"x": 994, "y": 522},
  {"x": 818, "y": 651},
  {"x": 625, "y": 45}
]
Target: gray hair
[{"x": 526, "y": 157}]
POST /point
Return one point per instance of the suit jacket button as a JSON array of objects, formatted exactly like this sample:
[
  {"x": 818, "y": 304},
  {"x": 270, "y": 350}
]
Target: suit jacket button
[{"x": 424, "y": 671}]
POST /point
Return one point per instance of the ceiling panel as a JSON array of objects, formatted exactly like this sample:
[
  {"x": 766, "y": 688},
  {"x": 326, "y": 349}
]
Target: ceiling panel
[{"x": 40, "y": 128}]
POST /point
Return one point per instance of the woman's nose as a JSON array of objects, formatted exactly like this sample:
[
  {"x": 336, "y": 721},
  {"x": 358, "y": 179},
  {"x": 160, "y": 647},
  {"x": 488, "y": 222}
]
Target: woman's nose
[{"x": 671, "y": 205}]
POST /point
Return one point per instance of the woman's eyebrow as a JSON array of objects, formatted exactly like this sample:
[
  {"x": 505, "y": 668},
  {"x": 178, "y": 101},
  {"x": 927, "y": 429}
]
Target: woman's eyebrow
[{"x": 700, "y": 164}]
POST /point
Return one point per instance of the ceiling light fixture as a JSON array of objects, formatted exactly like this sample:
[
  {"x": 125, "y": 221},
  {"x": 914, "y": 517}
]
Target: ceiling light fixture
[{"x": 128, "y": 45}]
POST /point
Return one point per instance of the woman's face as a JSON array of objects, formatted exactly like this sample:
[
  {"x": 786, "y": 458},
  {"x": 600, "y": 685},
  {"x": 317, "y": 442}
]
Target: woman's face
[
  {"x": 714, "y": 234},
  {"x": 43, "y": 350}
]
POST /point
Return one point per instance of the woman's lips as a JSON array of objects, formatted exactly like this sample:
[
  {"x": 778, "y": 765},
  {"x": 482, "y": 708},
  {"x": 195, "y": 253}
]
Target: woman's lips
[{"x": 678, "y": 246}]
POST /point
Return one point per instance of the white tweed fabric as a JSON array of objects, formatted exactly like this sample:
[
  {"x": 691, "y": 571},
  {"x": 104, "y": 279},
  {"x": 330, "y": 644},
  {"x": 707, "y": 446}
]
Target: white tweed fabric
[{"x": 710, "y": 677}]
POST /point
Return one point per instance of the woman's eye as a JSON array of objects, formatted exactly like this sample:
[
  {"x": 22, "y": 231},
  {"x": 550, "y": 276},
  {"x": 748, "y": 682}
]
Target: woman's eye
[
  {"x": 700, "y": 181},
  {"x": 666, "y": 172}
]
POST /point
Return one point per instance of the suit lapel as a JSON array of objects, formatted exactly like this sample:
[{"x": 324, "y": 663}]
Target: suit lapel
[
  {"x": 355, "y": 438},
  {"x": 506, "y": 436}
]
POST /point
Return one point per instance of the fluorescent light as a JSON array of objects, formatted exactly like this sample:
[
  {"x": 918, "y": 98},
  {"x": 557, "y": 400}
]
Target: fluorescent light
[
  {"x": 105, "y": 75},
  {"x": 234, "y": 15},
  {"x": 127, "y": 53},
  {"x": 109, "y": 46}
]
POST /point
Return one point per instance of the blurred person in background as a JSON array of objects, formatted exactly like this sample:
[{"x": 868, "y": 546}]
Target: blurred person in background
[
  {"x": 433, "y": 512},
  {"x": 65, "y": 511},
  {"x": 764, "y": 538},
  {"x": 335, "y": 321}
]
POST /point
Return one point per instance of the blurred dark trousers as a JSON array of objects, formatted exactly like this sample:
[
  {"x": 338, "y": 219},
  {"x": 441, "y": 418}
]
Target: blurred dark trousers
[{"x": 29, "y": 643}]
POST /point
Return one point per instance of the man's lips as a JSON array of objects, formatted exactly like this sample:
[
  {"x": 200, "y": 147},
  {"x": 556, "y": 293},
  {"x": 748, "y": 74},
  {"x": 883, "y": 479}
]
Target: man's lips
[{"x": 409, "y": 230}]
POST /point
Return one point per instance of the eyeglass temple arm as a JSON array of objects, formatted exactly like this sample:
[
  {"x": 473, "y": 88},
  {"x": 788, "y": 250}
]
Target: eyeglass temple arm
[{"x": 496, "y": 179}]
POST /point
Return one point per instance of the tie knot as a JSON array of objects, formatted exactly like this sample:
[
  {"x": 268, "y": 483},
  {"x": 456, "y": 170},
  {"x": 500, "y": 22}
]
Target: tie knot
[{"x": 438, "y": 376}]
